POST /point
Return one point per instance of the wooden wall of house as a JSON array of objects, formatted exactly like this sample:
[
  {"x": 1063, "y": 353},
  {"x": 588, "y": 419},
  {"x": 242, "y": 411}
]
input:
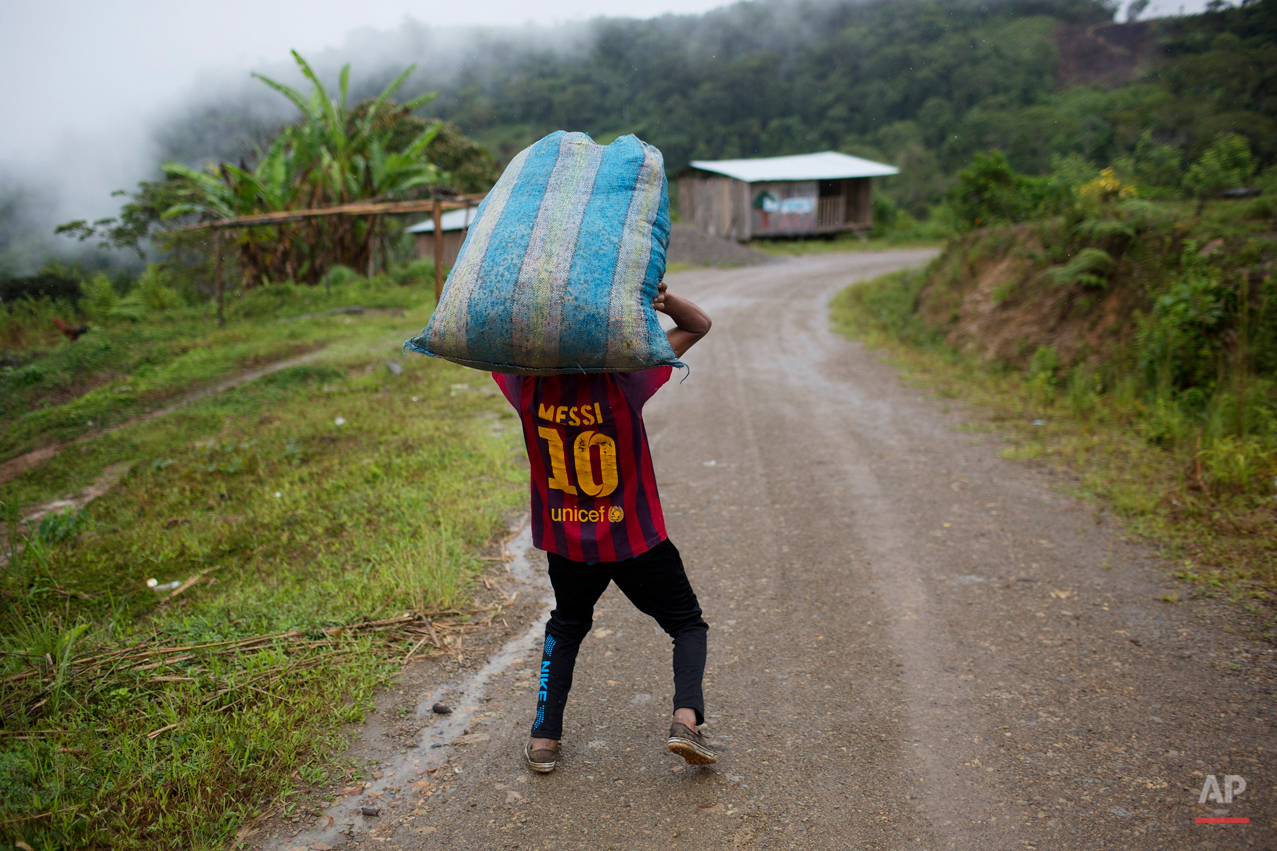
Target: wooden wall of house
[
  {"x": 452, "y": 240},
  {"x": 715, "y": 204},
  {"x": 723, "y": 206},
  {"x": 858, "y": 193},
  {"x": 849, "y": 206}
]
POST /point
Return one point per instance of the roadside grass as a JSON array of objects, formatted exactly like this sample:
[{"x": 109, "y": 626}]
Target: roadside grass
[
  {"x": 301, "y": 512},
  {"x": 332, "y": 338},
  {"x": 53, "y": 390},
  {"x": 1223, "y": 539},
  {"x": 843, "y": 242},
  {"x": 839, "y": 244},
  {"x": 671, "y": 268}
]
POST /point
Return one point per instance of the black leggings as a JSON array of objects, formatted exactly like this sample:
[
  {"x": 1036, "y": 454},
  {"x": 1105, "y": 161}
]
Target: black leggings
[{"x": 657, "y": 585}]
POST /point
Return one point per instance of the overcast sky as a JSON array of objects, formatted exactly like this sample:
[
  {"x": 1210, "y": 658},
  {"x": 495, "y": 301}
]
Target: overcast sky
[
  {"x": 73, "y": 66},
  {"x": 85, "y": 80},
  {"x": 70, "y": 65}
]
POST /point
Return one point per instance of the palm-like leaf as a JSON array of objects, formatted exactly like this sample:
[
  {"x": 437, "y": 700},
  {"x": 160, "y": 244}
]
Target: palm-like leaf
[
  {"x": 333, "y": 155},
  {"x": 301, "y": 102}
]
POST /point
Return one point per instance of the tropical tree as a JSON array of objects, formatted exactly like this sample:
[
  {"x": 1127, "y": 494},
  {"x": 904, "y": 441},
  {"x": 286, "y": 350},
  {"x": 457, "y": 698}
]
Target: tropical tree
[{"x": 334, "y": 155}]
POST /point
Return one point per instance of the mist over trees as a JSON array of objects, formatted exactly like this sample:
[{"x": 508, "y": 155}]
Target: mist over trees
[
  {"x": 923, "y": 84},
  {"x": 337, "y": 152},
  {"x": 919, "y": 83}
]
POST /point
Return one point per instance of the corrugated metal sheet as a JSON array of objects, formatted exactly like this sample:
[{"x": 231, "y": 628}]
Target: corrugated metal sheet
[
  {"x": 826, "y": 165},
  {"x": 451, "y": 220}
]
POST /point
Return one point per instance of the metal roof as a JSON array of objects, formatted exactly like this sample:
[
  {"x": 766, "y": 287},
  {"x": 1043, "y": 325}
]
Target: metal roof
[
  {"x": 826, "y": 165},
  {"x": 451, "y": 220}
]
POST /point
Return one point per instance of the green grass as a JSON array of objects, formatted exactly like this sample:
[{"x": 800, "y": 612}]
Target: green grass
[
  {"x": 671, "y": 268},
  {"x": 54, "y": 390},
  {"x": 1221, "y": 532},
  {"x": 843, "y": 242},
  {"x": 293, "y": 527}
]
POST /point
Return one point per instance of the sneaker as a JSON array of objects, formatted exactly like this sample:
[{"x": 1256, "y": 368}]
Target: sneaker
[
  {"x": 690, "y": 744},
  {"x": 541, "y": 761}
]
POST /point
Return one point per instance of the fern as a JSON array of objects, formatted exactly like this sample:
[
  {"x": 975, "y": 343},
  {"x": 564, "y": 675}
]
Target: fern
[
  {"x": 1104, "y": 231},
  {"x": 1090, "y": 267}
]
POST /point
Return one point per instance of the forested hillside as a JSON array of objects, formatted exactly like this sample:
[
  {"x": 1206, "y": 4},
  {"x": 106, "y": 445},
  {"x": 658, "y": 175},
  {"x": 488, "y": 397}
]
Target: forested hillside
[
  {"x": 920, "y": 83},
  {"x": 923, "y": 84}
]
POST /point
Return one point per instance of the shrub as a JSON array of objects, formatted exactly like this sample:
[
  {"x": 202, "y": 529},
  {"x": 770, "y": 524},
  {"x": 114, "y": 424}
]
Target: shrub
[
  {"x": 1179, "y": 344},
  {"x": 1090, "y": 267},
  {"x": 1114, "y": 233},
  {"x": 100, "y": 298},
  {"x": 59, "y": 528},
  {"x": 1106, "y": 188},
  {"x": 339, "y": 276},
  {"x": 1082, "y": 393},
  {"x": 1041, "y": 375},
  {"x": 155, "y": 290},
  {"x": 1153, "y": 165},
  {"x": 1226, "y": 164},
  {"x": 266, "y": 300},
  {"x": 415, "y": 273},
  {"x": 1238, "y": 465},
  {"x": 51, "y": 284},
  {"x": 885, "y": 214},
  {"x": 27, "y": 376},
  {"x": 990, "y": 191},
  {"x": 1165, "y": 424},
  {"x": 1267, "y": 181}
]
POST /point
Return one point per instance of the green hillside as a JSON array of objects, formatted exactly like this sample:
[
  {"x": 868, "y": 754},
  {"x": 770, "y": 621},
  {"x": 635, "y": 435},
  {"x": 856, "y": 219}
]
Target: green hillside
[{"x": 919, "y": 83}]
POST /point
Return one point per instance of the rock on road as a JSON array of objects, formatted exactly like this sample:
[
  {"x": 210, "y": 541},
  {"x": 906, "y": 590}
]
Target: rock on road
[{"x": 914, "y": 643}]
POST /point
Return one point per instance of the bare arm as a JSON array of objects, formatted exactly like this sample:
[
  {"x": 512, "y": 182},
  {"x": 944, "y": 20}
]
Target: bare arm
[{"x": 690, "y": 321}]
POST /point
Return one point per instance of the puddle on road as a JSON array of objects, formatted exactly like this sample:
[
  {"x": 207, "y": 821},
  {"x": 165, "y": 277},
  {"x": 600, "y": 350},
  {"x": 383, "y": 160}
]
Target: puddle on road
[{"x": 465, "y": 697}]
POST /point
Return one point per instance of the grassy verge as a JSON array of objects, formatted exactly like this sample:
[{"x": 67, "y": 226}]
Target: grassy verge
[
  {"x": 841, "y": 243},
  {"x": 1224, "y": 542},
  {"x": 304, "y": 514},
  {"x": 52, "y": 390}
]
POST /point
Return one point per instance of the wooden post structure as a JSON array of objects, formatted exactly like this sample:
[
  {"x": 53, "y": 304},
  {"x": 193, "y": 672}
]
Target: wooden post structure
[
  {"x": 438, "y": 250},
  {"x": 217, "y": 273},
  {"x": 375, "y": 210}
]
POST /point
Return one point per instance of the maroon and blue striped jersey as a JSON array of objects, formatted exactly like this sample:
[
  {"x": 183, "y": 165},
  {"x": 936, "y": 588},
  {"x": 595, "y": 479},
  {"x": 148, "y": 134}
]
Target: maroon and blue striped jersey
[{"x": 593, "y": 488}]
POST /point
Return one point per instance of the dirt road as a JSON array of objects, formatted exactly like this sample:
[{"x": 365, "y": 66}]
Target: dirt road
[{"x": 913, "y": 642}]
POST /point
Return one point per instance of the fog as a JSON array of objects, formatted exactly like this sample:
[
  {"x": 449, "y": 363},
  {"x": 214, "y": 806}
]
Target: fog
[
  {"x": 99, "y": 92},
  {"x": 94, "y": 88}
]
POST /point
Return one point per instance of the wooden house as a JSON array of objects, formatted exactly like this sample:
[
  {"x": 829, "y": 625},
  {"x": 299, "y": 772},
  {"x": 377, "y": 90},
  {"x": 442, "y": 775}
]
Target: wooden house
[
  {"x": 455, "y": 224},
  {"x": 800, "y": 195}
]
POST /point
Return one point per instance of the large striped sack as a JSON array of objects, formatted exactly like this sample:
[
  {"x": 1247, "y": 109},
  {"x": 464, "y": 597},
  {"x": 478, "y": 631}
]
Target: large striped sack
[{"x": 558, "y": 272}]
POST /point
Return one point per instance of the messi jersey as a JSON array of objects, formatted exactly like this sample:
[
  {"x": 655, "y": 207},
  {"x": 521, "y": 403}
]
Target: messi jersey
[{"x": 593, "y": 489}]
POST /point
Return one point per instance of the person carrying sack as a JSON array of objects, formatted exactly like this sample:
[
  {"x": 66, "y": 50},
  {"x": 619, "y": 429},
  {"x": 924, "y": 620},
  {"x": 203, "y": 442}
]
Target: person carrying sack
[
  {"x": 597, "y": 514},
  {"x": 556, "y": 291}
]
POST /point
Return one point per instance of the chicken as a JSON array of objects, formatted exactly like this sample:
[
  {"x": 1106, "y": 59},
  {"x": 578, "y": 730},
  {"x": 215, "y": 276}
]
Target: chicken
[{"x": 71, "y": 332}]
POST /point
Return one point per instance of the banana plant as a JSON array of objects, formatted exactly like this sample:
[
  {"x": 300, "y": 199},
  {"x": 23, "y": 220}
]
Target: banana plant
[
  {"x": 225, "y": 190},
  {"x": 345, "y": 140},
  {"x": 389, "y": 172},
  {"x": 334, "y": 155}
]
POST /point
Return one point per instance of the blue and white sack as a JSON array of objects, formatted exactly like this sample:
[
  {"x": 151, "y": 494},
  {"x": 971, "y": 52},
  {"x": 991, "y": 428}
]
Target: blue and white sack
[{"x": 558, "y": 272}]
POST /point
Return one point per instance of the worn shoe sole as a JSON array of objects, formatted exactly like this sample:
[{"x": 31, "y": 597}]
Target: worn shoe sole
[
  {"x": 538, "y": 767},
  {"x": 691, "y": 752}
]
